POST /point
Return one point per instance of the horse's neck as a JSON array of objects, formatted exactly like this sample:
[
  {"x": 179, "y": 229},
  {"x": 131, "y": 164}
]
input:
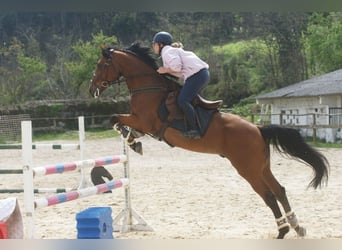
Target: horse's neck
[
  {"x": 131, "y": 65},
  {"x": 147, "y": 93},
  {"x": 137, "y": 73},
  {"x": 172, "y": 83}
]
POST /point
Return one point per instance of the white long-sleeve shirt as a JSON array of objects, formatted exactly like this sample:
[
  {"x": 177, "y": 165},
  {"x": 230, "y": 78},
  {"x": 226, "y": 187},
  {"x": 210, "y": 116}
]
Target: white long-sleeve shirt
[{"x": 185, "y": 63}]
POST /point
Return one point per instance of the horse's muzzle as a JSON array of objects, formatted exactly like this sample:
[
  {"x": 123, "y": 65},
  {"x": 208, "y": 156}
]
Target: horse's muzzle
[{"x": 97, "y": 93}]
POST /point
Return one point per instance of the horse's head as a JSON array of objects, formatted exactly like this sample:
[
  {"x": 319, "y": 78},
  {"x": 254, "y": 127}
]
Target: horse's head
[{"x": 106, "y": 72}]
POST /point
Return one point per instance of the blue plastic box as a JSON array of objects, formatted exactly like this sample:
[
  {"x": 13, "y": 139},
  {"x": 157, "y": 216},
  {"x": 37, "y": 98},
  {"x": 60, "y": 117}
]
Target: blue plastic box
[{"x": 95, "y": 223}]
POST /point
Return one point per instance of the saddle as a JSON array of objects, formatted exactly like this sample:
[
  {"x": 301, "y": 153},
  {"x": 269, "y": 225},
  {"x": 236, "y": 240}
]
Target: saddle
[{"x": 176, "y": 113}]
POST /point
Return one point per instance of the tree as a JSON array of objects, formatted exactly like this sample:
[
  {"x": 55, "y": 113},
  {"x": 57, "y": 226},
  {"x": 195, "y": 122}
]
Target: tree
[
  {"x": 286, "y": 30},
  {"x": 85, "y": 56},
  {"x": 242, "y": 70},
  {"x": 292, "y": 47},
  {"x": 323, "y": 42},
  {"x": 22, "y": 77}
]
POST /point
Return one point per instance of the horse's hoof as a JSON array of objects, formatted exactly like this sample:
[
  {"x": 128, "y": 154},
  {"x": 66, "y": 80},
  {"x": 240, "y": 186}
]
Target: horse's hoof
[
  {"x": 301, "y": 231},
  {"x": 137, "y": 147},
  {"x": 282, "y": 232},
  {"x": 123, "y": 131}
]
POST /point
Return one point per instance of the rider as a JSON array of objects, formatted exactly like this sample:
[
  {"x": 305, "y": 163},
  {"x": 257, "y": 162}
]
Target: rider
[{"x": 187, "y": 66}]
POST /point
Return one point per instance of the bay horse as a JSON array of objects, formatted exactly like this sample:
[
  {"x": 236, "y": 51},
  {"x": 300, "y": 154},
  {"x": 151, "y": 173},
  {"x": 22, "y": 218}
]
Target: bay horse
[{"x": 244, "y": 144}]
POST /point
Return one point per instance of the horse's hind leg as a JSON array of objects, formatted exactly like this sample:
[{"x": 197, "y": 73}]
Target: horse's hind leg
[
  {"x": 269, "y": 198},
  {"x": 280, "y": 194}
]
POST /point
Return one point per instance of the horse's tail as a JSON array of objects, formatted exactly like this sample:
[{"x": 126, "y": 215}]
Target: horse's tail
[{"x": 289, "y": 141}]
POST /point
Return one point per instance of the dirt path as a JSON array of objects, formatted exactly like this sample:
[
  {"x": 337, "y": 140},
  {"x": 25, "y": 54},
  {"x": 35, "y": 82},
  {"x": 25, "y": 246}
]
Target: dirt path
[{"x": 186, "y": 195}]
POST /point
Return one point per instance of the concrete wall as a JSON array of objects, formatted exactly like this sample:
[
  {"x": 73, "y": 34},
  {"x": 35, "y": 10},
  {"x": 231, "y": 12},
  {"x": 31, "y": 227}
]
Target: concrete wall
[{"x": 301, "y": 111}]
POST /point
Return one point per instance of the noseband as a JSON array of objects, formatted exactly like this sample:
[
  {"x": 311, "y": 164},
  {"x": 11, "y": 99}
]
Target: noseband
[{"x": 107, "y": 83}]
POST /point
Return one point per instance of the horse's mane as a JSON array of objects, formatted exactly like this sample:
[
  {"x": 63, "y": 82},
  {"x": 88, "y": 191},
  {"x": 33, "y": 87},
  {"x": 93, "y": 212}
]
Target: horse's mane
[{"x": 144, "y": 53}]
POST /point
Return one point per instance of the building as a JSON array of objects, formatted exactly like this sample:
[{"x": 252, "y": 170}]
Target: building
[{"x": 316, "y": 101}]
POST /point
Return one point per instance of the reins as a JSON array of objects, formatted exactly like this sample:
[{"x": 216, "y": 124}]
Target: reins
[
  {"x": 163, "y": 85},
  {"x": 144, "y": 89},
  {"x": 147, "y": 89},
  {"x": 140, "y": 90}
]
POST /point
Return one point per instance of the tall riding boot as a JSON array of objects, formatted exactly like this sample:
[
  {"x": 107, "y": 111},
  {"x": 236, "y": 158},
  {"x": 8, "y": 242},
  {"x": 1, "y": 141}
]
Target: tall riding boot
[{"x": 190, "y": 115}]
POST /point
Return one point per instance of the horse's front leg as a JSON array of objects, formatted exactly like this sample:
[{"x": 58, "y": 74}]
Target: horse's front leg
[{"x": 127, "y": 132}]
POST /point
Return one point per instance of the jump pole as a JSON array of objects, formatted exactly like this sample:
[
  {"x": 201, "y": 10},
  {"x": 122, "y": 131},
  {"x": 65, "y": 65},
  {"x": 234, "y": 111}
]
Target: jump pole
[
  {"x": 126, "y": 215},
  {"x": 53, "y": 146},
  {"x": 84, "y": 182},
  {"x": 80, "y": 193},
  {"x": 36, "y": 190},
  {"x": 57, "y": 146},
  {"x": 72, "y": 166}
]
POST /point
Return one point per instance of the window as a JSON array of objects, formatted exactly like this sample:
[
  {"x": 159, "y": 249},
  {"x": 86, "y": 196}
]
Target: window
[
  {"x": 335, "y": 116},
  {"x": 290, "y": 117}
]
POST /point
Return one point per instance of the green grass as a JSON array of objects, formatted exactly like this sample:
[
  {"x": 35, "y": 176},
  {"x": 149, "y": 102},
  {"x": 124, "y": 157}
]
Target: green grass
[
  {"x": 96, "y": 134},
  {"x": 324, "y": 144},
  {"x": 91, "y": 134}
]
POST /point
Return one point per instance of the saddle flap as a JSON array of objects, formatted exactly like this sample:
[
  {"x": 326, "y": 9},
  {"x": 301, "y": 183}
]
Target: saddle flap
[{"x": 172, "y": 106}]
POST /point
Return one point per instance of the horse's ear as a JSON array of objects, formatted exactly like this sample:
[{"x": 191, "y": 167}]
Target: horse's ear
[{"x": 107, "y": 51}]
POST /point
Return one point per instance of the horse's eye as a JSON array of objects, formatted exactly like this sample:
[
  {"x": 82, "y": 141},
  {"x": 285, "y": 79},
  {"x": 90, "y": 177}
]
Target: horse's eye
[{"x": 105, "y": 84}]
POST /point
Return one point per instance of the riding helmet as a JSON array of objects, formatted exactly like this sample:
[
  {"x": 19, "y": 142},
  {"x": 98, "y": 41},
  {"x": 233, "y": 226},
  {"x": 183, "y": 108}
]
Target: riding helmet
[{"x": 163, "y": 37}]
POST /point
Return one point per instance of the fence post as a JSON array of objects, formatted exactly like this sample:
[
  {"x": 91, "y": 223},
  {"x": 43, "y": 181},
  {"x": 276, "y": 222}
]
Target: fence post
[
  {"x": 314, "y": 132},
  {"x": 281, "y": 119}
]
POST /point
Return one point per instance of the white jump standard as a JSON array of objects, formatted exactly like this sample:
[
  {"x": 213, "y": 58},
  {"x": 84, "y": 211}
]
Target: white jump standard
[
  {"x": 30, "y": 204},
  {"x": 53, "y": 146}
]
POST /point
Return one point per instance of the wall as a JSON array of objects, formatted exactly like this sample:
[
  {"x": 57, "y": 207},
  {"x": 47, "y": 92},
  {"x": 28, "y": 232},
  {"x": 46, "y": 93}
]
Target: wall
[
  {"x": 62, "y": 114},
  {"x": 301, "y": 112}
]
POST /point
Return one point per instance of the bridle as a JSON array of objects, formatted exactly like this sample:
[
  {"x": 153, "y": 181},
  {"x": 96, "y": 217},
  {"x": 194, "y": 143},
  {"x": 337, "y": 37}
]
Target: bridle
[{"x": 107, "y": 83}]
